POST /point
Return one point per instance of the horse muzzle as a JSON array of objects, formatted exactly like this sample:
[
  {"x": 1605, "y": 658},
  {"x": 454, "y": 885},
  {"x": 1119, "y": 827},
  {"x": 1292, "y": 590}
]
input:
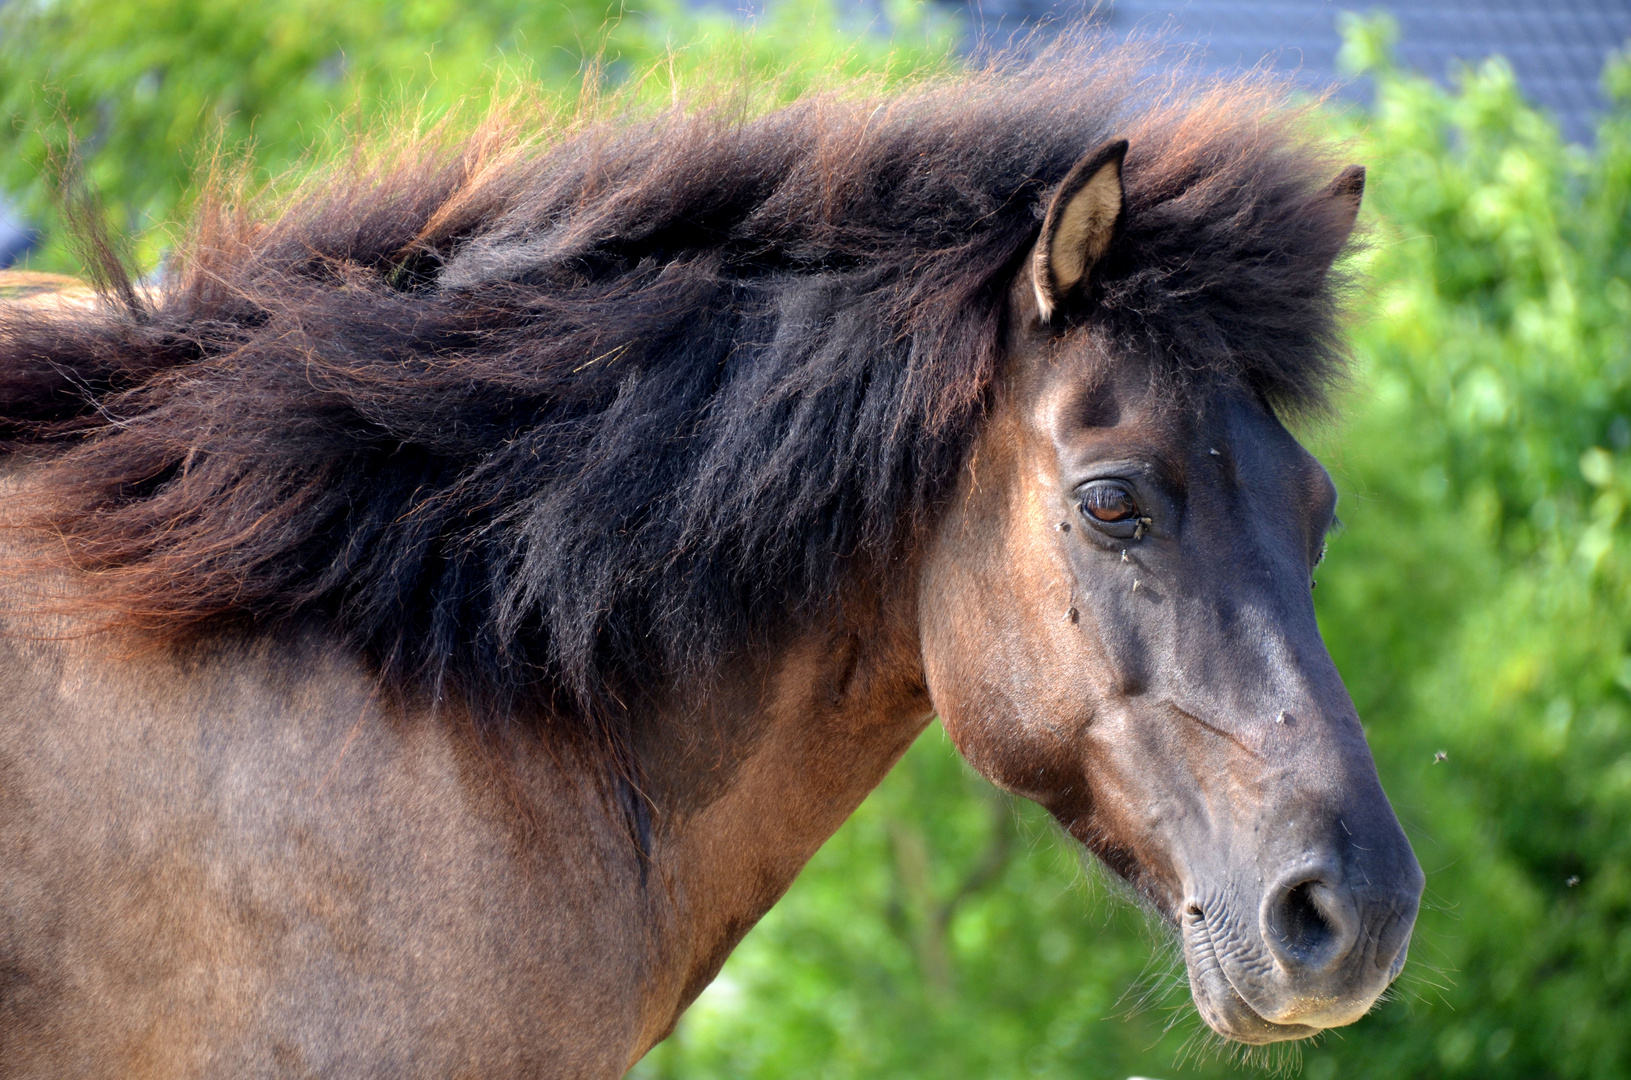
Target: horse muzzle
[{"x": 1314, "y": 953}]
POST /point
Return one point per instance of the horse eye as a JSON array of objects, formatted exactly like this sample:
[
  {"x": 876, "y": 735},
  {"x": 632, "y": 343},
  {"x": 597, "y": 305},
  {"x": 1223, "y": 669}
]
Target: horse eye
[{"x": 1108, "y": 502}]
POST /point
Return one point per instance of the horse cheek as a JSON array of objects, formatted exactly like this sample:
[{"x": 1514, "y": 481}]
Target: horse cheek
[{"x": 1008, "y": 686}]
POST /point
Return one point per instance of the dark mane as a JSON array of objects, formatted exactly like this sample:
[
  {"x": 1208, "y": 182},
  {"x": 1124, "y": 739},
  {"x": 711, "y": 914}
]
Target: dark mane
[{"x": 568, "y": 417}]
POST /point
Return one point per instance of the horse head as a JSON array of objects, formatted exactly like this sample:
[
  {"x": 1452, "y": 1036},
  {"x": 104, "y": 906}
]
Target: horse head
[{"x": 1117, "y": 623}]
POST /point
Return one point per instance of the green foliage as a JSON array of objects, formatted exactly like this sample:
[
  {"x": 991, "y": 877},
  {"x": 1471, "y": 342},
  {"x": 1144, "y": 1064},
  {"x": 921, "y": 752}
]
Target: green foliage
[
  {"x": 1477, "y": 602},
  {"x": 151, "y": 91}
]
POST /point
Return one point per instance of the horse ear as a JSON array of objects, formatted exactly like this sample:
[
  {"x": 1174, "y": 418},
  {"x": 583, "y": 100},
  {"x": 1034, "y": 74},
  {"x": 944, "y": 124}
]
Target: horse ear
[
  {"x": 1078, "y": 226},
  {"x": 1344, "y": 195}
]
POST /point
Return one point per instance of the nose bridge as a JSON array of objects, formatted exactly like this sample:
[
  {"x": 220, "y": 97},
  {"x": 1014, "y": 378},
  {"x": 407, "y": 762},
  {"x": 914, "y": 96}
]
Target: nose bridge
[
  {"x": 1248, "y": 650},
  {"x": 1313, "y": 836},
  {"x": 1318, "y": 790},
  {"x": 1248, "y": 659}
]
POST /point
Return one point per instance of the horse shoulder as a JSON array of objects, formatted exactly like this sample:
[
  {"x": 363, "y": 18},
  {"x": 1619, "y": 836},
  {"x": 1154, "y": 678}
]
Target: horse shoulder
[{"x": 239, "y": 853}]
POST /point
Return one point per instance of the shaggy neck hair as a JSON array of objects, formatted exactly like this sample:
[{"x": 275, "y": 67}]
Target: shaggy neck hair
[{"x": 566, "y": 419}]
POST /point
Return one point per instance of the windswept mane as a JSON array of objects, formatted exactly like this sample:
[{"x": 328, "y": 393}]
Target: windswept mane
[{"x": 569, "y": 417}]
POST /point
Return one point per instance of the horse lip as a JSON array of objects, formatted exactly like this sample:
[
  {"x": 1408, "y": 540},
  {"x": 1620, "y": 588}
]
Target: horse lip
[{"x": 1266, "y": 1031}]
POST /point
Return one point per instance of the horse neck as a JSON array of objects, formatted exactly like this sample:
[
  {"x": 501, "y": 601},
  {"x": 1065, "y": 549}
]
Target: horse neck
[{"x": 751, "y": 777}]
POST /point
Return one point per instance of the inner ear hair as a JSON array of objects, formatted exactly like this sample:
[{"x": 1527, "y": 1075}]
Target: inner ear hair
[{"x": 1080, "y": 222}]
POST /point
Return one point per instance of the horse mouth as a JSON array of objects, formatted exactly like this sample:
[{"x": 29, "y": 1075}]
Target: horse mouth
[{"x": 1223, "y": 1007}]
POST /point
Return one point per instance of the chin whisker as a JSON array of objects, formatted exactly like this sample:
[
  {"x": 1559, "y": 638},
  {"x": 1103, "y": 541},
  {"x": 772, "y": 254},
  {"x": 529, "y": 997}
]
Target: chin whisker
[
  {"x": 1274, "y": 1060},
  {"x": 1423, "y": 980},
  {"x": 1162, "y": 980},
  {"x": 1282, "y": 1059}
]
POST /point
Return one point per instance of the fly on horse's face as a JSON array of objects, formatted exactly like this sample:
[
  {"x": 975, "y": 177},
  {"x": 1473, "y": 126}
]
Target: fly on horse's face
[{"x": 1117, "y": 623}]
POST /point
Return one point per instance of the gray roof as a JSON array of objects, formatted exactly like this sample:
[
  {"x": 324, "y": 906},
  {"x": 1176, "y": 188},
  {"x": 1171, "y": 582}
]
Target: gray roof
[
  {"x": 1556, "y": 48},
  {"x": 15, "y": 238}
]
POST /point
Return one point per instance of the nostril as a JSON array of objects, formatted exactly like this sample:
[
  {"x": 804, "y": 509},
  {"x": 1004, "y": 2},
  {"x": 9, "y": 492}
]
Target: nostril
[
  {"x": 1303, "y": 927},
  {"x": 1307, "y": 927}
]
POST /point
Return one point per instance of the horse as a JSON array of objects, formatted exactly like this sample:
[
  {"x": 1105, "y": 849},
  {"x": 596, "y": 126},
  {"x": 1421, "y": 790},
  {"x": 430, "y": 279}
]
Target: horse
[{"x": 445, "y": 612}]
